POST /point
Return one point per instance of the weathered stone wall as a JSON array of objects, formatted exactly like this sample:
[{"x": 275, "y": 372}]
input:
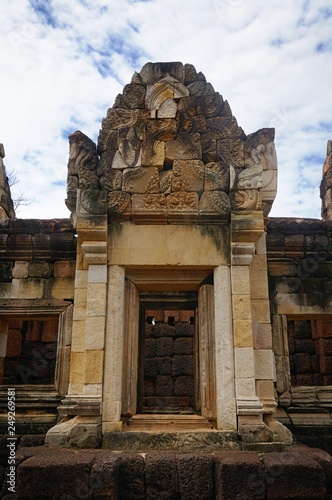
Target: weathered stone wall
[
  {"x": 299, "y": 255},
  {"x": 37, "y": 274}
]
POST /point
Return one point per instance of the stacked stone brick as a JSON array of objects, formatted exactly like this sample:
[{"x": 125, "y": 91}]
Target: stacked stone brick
[
  {"x": 310, "y": 352},
  {"x": 169, "y": 364}
]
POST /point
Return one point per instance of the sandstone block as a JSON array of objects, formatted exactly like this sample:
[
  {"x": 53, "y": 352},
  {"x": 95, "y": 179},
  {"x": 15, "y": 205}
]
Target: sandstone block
[
  {"x": 95, "y": 332},
  {"x": 78, "y": 336},
  {"x": 153, "y": 154},
  {"x": 260, "y": 310},
  {"x": 61, "y": 288},
  {"x": 265, "y": 389},
  {"x": 64, "y": 269},
  {"x": 96, "y": 299},
  {"x": 214, "y": 206},
  {"x": 77, "y": 367},
  {"x": 134, "y": 95},
  {"x": 243, "y": 336},
  {"x": 141, "y": 180},
  {"x": 33, "y": 288},
  {"x": 245, "y": 388},
  {"x": 259, "y": 285},
  {"x": 151, "y": 207},
  {"x": 167, "y": 109},
  {"x": 182, "y": 206},
  {"x": 241, "y": 307},
  {"x": 264, "y": 365},
  {"x": 244, "y": 362},
  {"x": 94, "y": 364},
  {"x": 185, "y": 147},
  {"x": 216, "y": 177},
  {"x": 20, "y": 269},
  {"x": 161, "y": 130},
  {"x": 262, "y": 335},
  {"x": 97, "y": 273},
  {"x": 240, "y": 280},
  {"x": 209, "y": 147},
  {"x": 187, "y": 175}
]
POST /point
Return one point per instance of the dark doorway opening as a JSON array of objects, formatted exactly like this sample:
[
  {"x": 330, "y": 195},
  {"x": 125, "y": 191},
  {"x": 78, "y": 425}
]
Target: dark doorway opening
[{"x": 169, "y": 355}]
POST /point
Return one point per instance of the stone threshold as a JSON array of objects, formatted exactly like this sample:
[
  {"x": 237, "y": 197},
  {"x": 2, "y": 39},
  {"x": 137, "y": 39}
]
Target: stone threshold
[
  {"x": 167, "y": 423},
  {"x": 186, "y": 441}
]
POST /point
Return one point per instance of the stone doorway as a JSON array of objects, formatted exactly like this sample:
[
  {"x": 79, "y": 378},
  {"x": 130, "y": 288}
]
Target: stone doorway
[{"x": 168, "y": 359}]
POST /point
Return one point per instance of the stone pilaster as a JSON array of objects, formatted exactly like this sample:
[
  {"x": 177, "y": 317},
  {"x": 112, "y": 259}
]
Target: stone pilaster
[
  {"x": 248, "y": 404},
  {"x": 226, "y": 403},
  {"x": 84, "y": 398}
]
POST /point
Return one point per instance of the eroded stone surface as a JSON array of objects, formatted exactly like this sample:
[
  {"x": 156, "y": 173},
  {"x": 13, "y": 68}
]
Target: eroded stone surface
[{"x": 171, "y": 119}]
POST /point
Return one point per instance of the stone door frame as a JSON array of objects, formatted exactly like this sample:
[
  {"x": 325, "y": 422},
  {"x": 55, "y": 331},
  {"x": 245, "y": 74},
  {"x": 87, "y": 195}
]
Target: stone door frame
[{"x": 122, "y": 336}]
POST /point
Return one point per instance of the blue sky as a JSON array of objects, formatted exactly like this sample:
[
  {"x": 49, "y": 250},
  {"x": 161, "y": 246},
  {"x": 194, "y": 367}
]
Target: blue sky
[{"x": 64, "y": 61}]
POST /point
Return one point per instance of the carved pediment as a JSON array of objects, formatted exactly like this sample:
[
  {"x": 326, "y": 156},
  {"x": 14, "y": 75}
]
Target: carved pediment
[{"x": 172, "y": 149}]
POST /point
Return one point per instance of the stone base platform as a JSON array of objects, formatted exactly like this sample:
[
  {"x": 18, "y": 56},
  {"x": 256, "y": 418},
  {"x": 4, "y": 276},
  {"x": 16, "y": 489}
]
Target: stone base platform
[
  {"x": 141, "y": 441},
  {"x": 53, "y": 473}
]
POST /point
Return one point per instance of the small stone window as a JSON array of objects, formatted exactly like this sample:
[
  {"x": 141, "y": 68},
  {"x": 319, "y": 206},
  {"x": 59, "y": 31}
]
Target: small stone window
[{"x": 31, "y": 351}]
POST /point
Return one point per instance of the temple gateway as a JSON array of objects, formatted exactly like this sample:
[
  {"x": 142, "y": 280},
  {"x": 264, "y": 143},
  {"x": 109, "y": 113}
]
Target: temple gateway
[{"x": 170, "y": 311}]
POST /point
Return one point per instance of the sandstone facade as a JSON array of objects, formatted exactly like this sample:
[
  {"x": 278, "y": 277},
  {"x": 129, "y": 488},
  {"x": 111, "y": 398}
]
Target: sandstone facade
[{"x": 171, "y": 290}]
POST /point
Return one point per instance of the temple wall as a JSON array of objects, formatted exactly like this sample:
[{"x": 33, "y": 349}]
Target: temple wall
[{"x": 37, "y": 269}]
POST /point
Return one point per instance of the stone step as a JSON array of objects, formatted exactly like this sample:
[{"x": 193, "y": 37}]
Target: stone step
[
  {"x": 167, "y": 423},
  {"x": 55, "y": 473}
]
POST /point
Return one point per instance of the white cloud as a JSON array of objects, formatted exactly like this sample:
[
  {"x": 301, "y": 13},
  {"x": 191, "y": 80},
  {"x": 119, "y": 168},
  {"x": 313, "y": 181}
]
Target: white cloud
[{"x": 63, "y": 63}]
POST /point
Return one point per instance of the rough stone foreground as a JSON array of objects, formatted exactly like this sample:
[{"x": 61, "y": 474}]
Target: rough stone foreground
[{"x": 300, "y": 473}]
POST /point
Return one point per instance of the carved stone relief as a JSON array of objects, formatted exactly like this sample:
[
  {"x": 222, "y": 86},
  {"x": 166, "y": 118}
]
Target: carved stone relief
[{"x": 171, "y": 137}]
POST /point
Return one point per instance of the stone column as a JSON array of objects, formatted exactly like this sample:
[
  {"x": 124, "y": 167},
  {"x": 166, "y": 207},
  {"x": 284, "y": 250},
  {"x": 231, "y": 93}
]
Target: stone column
[
  {"x": 114, "y": 351},
  {"x": 131, "y": 346},
  {"x": 207, "y": 360},
  {"x": 249, "y": 406},
  {"x": 226, "y": 407}
]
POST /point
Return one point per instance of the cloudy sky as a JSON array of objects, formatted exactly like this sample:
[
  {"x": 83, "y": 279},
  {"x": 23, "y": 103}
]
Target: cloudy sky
[{"x": 63, "y": 62}]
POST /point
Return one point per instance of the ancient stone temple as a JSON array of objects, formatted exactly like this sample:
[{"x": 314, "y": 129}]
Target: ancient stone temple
[{"x": 170, "y": 311}]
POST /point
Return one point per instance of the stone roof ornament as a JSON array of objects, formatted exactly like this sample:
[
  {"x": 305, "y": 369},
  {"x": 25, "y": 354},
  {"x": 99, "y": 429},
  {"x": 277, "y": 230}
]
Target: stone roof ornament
[{"x": 170, "y": 151}]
